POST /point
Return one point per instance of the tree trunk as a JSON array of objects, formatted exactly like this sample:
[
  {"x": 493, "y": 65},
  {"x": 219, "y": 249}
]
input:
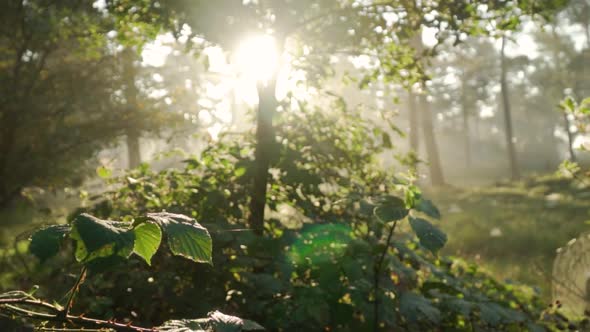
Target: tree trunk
[
  {"x": 413, "y": 116},
  {"x": 132, "y": 133},
  {"x": 133, "y": 148},
  {"x": 414, "y": 134},
  {"x": 586, "y": 24},
  {"x": 570, "y": 137},
  {"x": 514, "y": 172},
  {"x": 265, "y": 139},
  {"x": 465, "y": 125},
  {"x": 434, "y": 166}
]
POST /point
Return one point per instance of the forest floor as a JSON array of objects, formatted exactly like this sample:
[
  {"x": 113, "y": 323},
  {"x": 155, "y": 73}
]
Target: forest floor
[{"x": 514, "y": 229}]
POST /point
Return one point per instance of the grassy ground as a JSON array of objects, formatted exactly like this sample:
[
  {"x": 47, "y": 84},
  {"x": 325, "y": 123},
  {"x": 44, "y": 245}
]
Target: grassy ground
[{"x": 514, "y": 229}]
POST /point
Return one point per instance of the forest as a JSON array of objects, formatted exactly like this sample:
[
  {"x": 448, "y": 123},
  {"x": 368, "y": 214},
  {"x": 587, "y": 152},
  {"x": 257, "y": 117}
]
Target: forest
[{"x": 294, "y": 165}]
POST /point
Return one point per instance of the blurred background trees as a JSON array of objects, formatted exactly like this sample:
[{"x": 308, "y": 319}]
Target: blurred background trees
[{"x": 156, "y": 103}]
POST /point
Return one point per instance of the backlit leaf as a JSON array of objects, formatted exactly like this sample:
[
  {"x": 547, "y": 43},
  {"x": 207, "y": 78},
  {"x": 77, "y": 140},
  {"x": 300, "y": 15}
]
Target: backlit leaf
[
  {"x": 186, "y": 237},
  {"x": 147, "y": 240}
]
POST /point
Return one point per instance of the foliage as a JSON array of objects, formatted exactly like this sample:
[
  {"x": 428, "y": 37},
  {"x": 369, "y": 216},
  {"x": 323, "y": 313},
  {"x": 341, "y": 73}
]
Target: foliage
[
  {"x": 102, "y": 244},
  {"x": 65, "y": 94},
  {"x": 98, "y": 239},
  {"x": 347, "y": 245},
  {"x": 216, "y": 321},
  {"x": 580, "y": 112},
  {"x": 337, "y": 252}
]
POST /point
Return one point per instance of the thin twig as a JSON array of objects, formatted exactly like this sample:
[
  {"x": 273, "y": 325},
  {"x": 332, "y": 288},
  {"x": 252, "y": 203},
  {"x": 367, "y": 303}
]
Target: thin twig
[
  {"x": 63, "y": 329},
  {"x": 74, "y": 291},
  {"x": 74, "y": 320},
  {"x": 35, "y": 303}
]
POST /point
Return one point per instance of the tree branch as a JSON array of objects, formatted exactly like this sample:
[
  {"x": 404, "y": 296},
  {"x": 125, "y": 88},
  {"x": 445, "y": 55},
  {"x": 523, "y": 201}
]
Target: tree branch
[
  {"x": 74, "y": 291},
  {"x": 10, "y": 306}
]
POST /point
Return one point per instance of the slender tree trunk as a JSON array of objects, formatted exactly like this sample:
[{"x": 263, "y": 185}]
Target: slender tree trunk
[
  {"x": 133, "y": 148},
  {"x": 514, "y": 172},
  {"x": 434, "y": 166},
  {"x": 7, "y": 138},
  {"x": 570, "y": 137},
  {"x": 586, "y": 24},
  {"x": 465, "y": 125},
  {"x": 413, "y": 116},
  {"x": 132, "y": 133},
  {"x": 563, "y": 82},
  {"x": 265, "y": 139},
  {"x": 414, "y": 134}
]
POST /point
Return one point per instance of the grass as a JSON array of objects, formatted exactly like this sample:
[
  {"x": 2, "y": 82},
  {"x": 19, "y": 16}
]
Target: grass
[{"x": 514, "y": 229}]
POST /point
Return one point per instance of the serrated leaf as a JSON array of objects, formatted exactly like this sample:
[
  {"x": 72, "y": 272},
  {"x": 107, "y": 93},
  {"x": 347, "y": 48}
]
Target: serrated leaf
[
  {"x": 458, "y": 305},
  {"x": 416, "y": 308},
  {"x": 96, "y": 238},
  {"x": 46, "y": 242},
  {"x": 494, "y": 314},
  {"x": 427, "y": 207},
  {"x": 366, "y": 207},
  {"x": 216, "y": 322},
  {"x": 392, "y": 208},
  {"x": 430, "y": 236},
  {"x": 185, "y": 236},
  {"x": 147, "y": 241},
  {"x": 186, "y": 325}
]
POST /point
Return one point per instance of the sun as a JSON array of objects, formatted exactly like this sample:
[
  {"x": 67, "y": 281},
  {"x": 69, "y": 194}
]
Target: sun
[{"x": 257, "y": 58}]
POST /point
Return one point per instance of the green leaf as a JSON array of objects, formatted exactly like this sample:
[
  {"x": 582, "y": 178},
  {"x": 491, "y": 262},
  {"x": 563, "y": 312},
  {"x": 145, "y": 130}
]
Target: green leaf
[
  {"x": 392, "y": 208},
  {"x": 458, "y": 305},
  {"x": 416, "y": 308},
  {"x": 494, "y": 314},
  {"x": 216, "y": 322},
  {"x": 185, "y": 236},
  {"x": 568, "y": 104},
  {"x": 430, "y": 237},
  {"x": 97, "y": 238},
  {"x": 147, "y": 240},
  {"x": 427, "y": 207},
  {"x": 104, "y": 172},
  {"x": 240, "y": 171},
  {"x": 386, "y": 141},
  {"x": 186, "y": 325},
  {"x": 46, "y": 242}
]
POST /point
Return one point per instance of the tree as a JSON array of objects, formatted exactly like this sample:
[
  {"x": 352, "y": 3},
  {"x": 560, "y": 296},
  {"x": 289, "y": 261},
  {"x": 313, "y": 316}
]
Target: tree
[
  {"x": 60, "y": 94},
  {"x": 514, "y": 172},
  {"x": 434, "y": 166},
  {"x": 557, "y": 73},
  {"x": 131, "y": 133},
  {"x": 382, "y": 29},
  {"x": 414, "y": 120}
]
